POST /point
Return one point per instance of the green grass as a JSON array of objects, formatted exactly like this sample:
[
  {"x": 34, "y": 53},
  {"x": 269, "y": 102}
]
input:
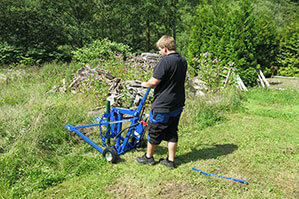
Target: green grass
[{"x": 251, "y": 136}]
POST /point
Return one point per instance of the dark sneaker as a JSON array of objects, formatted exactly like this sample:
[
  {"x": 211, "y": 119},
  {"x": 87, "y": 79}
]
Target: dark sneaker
[
  {"x": 169, "y": 164},
  {"x": 145, "y": 160}
]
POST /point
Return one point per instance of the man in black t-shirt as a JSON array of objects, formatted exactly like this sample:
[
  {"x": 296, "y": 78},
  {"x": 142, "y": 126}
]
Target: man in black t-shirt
[{"x": 169, "y": 98}]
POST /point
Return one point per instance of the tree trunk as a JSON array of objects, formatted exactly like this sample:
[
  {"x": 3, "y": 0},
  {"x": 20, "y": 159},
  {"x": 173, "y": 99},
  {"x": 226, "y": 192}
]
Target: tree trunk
[
  {"x": 174, "y": 19},
  {"x": 148, "y": 35}
]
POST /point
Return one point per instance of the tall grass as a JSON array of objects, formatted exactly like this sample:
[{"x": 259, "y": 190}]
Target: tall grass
[
  {"x": 37, "y": 152},
  {"x": 40, "y": 159},
  {"x": 32, "y": 135},
  {"x": 210, "y": 109}
]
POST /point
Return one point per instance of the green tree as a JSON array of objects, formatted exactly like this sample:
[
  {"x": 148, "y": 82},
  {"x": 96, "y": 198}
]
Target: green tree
[
  {"x": 75, "y": 17},
  {"x": 288, "y": 58},
  {"x": 283, "y": 12},
  {"x": 233, "y": 33},
  {"x": 28, "y": 29},
  {"x": 266, "y": 42}
]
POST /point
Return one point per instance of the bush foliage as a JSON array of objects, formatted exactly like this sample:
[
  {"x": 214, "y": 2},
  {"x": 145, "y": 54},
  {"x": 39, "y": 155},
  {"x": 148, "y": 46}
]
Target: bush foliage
[
  {"x": 212, "y": 70},
  {"x": 234, "y": 34},
  {"x": 288, "y": 57},
  {"x": 243, "y": 32},
  {"x": 99, "y": 51}
]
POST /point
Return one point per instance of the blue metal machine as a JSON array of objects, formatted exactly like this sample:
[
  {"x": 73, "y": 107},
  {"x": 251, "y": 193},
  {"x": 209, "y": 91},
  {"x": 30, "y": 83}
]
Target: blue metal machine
[{"x": 113, "y": 121}]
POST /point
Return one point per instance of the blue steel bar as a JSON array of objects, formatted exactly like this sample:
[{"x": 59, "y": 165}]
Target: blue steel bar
[
  {"x": 89, "y": 141},
  {"x": 84, "y": 126},
  {"x": 104, "y": 123},
  {"x": 210, "y": 174},
  {"x": 142, "y": 101}
]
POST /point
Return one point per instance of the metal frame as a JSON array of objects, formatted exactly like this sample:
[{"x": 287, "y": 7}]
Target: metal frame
[{"x": 113, "y": 121}]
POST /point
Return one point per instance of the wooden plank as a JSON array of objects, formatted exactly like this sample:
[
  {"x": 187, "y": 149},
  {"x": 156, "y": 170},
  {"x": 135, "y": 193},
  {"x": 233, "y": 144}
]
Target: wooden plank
[
  {"x": 241, "y": 84},
  {"x": 264, "y": 79},
  {"x": 227, "y": 77},
  {"x": 284, "y": 77},
  {"x": 261, "y": 81}
]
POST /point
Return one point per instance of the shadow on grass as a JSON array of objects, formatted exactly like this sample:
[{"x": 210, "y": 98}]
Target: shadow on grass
[
  {"x": 206, "y": 153},
  {"x": 212, "y": 152},
  {"x": 275, "y": 83}
]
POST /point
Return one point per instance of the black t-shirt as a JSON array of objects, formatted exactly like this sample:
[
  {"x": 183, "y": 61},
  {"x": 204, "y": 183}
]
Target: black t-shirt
[{"x": 169, "y": 95}]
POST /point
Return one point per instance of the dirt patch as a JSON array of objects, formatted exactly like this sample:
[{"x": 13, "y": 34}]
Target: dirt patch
[
  {"x": 86, "y": 131},
  {"x": 284, "y": 83},
  {"x": 136, "y": 189},
  {"x": 176, "y": 190}
]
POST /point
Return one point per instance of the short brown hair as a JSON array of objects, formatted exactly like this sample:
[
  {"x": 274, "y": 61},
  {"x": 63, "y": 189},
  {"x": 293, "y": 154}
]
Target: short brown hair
[{"x": 166, "y": 41}]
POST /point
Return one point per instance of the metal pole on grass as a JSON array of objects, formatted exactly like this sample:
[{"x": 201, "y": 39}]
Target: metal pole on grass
[
  {"x": 210, "y": 174},
  {"x": 108, "y": 120}
]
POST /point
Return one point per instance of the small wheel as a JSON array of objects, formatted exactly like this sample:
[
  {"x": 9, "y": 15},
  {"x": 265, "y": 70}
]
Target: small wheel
[{"x": 110, "y": 154}]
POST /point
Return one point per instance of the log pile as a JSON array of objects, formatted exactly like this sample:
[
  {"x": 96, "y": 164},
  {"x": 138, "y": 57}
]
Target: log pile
[
  {"x": 119, "y": 89},
  {"x": 150, "y": 58},
  {"x": 84, "y": 79},
  {"x": 200, "y": 87}
]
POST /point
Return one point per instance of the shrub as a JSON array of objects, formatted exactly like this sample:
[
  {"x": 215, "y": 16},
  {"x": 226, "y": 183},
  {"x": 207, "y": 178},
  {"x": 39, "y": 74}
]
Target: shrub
[
  {"x": 288, "y": 58},
  {"x": 211, "y": 70},
  {"x": 234, "y": 33},
  {"x": 10, "y": 54},
  {"x": 99, "y": 50}
]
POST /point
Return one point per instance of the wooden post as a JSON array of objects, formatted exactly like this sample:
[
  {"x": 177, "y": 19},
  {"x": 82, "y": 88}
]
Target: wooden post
[
  {"x": 263, "y": 77},
  {"x": 261, "y": 81},
  {"x": 227, "y": 77},
  {"x": 241, "y": 84}
]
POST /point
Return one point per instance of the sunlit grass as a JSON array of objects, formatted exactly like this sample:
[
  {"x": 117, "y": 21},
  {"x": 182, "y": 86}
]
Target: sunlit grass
[{"x": 250, "y": 136}]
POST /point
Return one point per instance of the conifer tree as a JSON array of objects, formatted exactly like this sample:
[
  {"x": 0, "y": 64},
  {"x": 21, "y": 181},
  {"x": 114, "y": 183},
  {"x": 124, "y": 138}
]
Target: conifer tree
[
  {"x": 233, "y": 33},
  {"x": 288, "y": 58}
]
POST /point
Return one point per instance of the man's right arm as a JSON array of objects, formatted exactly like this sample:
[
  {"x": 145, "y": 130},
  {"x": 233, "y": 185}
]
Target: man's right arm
[{"x": 151, "y": 83}]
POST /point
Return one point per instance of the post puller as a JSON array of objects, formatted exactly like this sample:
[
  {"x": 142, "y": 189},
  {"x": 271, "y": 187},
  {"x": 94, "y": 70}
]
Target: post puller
[{"x": 113, "y": 121}]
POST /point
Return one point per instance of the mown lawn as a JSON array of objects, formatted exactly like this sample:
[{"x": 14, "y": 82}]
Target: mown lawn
[{"x": 257, "y": 142}]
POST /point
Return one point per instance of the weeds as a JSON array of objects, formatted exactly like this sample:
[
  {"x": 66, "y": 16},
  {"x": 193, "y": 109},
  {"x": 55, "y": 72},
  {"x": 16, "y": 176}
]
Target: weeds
[
  {"x": 92, "y": 85},
  {"x": 209, "y": 110},
  {"x": 211, "y": 70},
  {"x": 250, "y": 136}
]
